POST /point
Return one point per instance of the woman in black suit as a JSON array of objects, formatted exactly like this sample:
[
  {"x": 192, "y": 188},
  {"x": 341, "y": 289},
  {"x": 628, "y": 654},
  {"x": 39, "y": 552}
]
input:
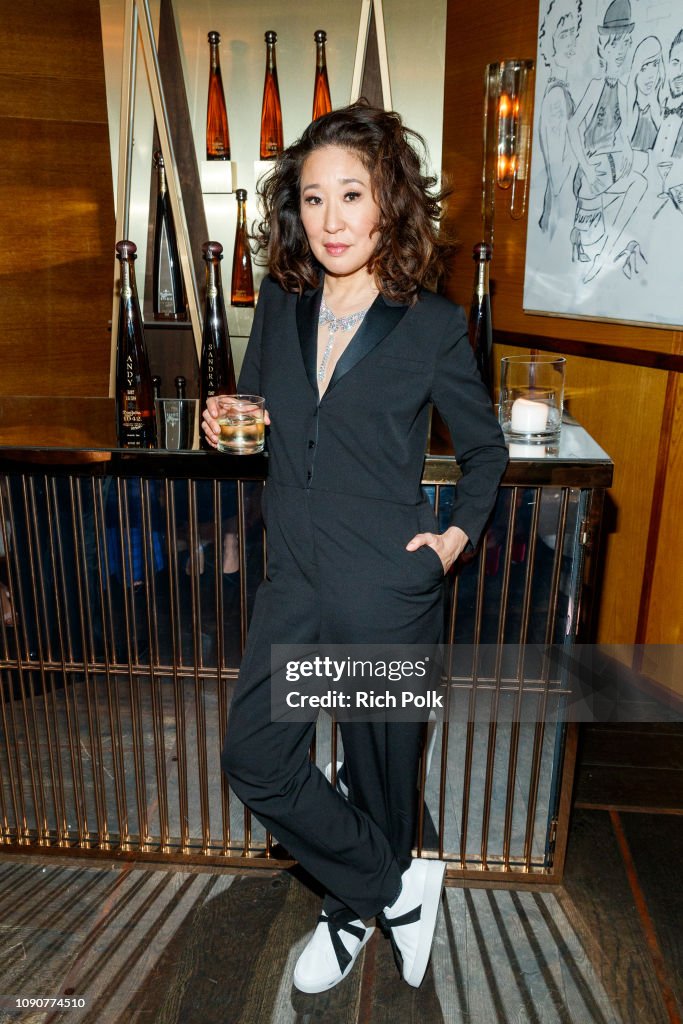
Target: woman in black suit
[{"x": 349, "y": 349}]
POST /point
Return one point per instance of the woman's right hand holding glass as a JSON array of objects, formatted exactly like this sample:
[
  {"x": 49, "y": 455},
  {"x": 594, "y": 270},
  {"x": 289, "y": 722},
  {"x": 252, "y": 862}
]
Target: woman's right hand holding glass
[{"x": 210, "y": 424}]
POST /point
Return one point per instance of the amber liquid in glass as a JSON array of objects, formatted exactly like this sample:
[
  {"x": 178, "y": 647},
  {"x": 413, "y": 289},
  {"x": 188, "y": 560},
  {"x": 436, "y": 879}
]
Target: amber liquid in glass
[
  {"x": 135, "y": 414},
  {"x": 242, "y": 284},
  {"x": 480, "y": 324},
  {"x": 322, "y": 104},
  {"x": 217, "y": 134},
  {"x": 271, "y": 110}
]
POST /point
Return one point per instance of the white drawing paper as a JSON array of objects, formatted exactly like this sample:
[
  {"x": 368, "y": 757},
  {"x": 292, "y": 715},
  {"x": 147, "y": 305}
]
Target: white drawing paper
[{"x": 605, "y": 230}]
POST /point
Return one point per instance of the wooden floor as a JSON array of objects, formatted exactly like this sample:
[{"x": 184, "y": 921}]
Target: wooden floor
[{"x": 145, "y": 945}]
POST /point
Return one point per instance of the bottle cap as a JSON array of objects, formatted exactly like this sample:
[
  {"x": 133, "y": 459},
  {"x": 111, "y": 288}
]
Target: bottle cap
[
  {"x": 482, "y": 251},
  {"x": 320, "y": 35},
  {"x": 240, "y": 194},
  {"x": 214, "y": 37},
  {"x": 212, "y": 250},
  {"x": 180, "y": 382},
  {"x": 126, "y": 250},
  {"x": 270, "y": 36}
]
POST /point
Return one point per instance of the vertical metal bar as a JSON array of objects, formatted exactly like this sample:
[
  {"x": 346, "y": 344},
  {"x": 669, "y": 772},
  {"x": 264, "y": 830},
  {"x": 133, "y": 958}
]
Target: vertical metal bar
[
  {"x": 68, "y": 680},
  {"x": 422, "y": 778},
  {"x": 221, "y": 664},
  {"x": 242, "y": 539},
  {"x": 178, "y": 683},
  {"x": 52, "y": 722},
  {"x": 495, "y": 697},
  {"x": 539, "y": 730},
  {"x": 472, "y": 706},
  {"x": 199, "y": 704},
  {"x": 519, "y": 695},
  {"x": 111, "y": 682},
  {"x": 86, "y": 611},
  {"x": 129, "y": 587},
  {"x": 28, "y": 487},
  {"x": 161, "y": 798},
  {"x": 16, "y": 593},
  {"x": 43, "y": 638},
  {"x": 445, "y": 735}
]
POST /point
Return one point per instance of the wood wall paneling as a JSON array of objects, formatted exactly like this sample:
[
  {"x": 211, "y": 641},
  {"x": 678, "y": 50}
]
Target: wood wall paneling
[
  {"x": 664, "y": 623},
  {"x": 56, "y": 201},
  {"x": 623, "y": 405}
]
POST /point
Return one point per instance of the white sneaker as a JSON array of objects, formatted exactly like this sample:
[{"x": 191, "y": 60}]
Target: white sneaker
[
  {"x": 331, "y": 952},
  {"x": 411, "y": 921}
]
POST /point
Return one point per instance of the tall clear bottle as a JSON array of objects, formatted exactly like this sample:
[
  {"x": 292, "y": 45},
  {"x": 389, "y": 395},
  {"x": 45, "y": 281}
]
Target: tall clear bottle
[
  {"x": 480, "y": 324},
  {"x": 217, "y": 369},
  {"x": 242, "y": 284},
  {"x": 135, "y": 414},
  {"x": 168, "y": 294},
  {"x": 322, "y": 104},
  {"x": 217, "y": 134},
  {"x": 271, "y": 109}
]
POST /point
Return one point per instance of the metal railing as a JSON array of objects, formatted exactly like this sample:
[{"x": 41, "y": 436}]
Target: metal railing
[{"x": 128, "y": 599}]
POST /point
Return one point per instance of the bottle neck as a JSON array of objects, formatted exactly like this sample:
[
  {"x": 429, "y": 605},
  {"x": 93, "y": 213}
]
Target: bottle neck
[
  {"x": 241, "y": 213},
  {"x": 270, "y": 58},
  {"x": 321, "y": 62},
  {"x": 213, "y": 280},
  {"x": 162, "y": 181},
  {"x": 481, "y": 279},
  {"x": 215, "y": 59},
  {"x": 127, "y": 280}
]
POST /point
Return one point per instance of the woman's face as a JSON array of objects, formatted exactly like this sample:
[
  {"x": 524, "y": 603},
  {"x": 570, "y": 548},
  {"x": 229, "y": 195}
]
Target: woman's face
[
  {"x": 614, "y": 52},
  {"x": 564, "y": 41},
  {"x": 647, "y": 75},
  {"x": 338, "y": 211}
]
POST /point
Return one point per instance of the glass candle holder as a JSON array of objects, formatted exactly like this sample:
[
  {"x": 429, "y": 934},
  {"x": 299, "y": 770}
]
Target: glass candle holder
[{"x": 531, "y": 397}]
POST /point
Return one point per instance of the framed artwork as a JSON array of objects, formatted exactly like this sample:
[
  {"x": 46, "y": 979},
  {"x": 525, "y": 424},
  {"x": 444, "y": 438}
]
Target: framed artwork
[{"x": 605, "y": 231}]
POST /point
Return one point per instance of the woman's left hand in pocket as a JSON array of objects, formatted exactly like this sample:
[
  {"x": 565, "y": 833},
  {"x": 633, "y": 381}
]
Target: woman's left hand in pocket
[{"x": 448, "y": 545}]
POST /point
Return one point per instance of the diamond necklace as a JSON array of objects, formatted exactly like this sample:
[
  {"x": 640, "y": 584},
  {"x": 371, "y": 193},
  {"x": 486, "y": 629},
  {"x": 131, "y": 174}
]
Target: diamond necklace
[{"x": 334, "y": 324}]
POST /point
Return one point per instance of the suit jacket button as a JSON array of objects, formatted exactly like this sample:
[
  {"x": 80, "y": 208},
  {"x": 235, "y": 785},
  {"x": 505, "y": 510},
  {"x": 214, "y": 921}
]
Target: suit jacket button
[{"x": 311, "y": 444}]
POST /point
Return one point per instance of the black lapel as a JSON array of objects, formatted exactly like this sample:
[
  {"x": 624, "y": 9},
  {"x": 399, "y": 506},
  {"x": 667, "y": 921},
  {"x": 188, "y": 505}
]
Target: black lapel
[
  {"x": 379, "y": 321},
  {"x": 307, "y": 312}
]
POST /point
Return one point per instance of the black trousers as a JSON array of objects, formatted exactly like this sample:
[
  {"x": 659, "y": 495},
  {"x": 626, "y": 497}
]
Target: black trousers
[{"x": 338, "y": 572}]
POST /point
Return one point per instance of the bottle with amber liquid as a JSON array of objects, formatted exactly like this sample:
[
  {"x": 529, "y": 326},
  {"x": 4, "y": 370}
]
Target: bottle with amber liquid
[
  {"x": 135, "y": 414},
  {"x": 480, "y": 325},
  {"x": 217, "y": 134},
  {"x": 242, "y": 285},
  {"x": 168, "y": 294},
  {"x": 217, "y": 369},
  {"x": 322, "y": 104},
  {"x": 271, "y": 110}
]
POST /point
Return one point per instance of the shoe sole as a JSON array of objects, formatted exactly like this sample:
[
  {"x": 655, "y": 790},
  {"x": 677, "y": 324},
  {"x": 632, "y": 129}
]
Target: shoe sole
[
  {"x": 313, "y": 990},
  {"x": 431, "y": 899}
]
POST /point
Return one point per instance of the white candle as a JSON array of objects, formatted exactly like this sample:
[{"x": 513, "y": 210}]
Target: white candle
[{"x": 527, "y": 417}]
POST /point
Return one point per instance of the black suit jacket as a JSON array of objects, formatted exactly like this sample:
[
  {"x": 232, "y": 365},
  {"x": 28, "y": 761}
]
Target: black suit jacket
[{"x": 367, "y": 435}]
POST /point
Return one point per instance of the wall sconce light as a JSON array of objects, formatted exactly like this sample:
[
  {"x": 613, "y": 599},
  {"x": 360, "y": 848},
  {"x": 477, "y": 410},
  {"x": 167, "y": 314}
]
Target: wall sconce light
[{"x": 507, "y": 136}]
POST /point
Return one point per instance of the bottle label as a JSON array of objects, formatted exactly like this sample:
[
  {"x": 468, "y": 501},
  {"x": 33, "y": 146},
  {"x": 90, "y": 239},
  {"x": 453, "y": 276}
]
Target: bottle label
[
  {"x": 126, "y": 290},
  {"x": 212, "y": 292}
]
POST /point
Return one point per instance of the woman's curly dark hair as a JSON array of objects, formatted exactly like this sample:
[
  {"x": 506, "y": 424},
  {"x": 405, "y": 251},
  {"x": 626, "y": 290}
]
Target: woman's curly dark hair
[{"x": 409, "y": 253}]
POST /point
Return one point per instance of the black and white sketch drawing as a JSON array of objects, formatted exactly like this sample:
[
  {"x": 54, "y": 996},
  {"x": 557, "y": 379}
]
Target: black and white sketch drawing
[{"x": 605, "y": 235}]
